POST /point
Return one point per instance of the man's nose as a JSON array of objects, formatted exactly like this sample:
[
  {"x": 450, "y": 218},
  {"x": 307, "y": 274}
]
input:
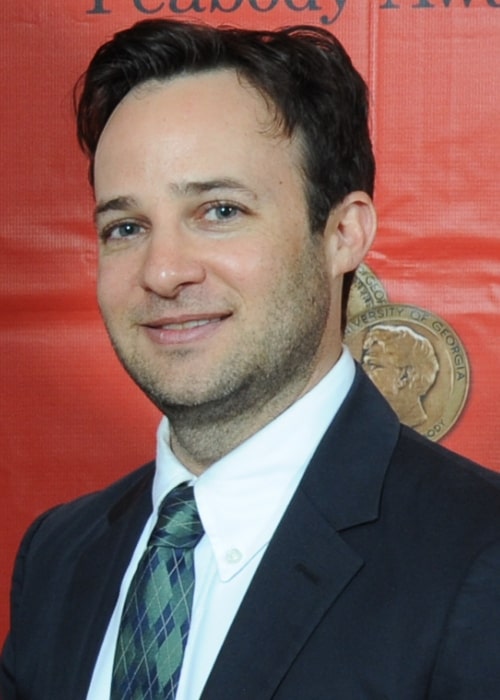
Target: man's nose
[{"x": 171, "y": 261}]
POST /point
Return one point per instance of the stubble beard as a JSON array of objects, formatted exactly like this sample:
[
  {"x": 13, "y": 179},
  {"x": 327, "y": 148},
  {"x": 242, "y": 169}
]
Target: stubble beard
[{"x": 263, "y": 376}]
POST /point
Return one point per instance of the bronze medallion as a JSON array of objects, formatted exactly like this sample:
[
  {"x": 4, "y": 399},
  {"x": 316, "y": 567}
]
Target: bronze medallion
[
  {"x": 416, "y": 360},
  {"x": 366, "y": 291}
]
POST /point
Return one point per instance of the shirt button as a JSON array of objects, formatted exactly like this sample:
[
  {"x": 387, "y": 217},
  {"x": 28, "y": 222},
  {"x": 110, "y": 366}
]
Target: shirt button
[{"x": 233, "y": 556}]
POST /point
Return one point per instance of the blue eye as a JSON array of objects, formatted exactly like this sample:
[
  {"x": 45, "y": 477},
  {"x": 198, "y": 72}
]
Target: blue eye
[
  {"x": 222, "y": 212},
  {"x": 126, "y": 229},
  {"x": 226, "y": 211},
  {"x": 121, "y": 231}
]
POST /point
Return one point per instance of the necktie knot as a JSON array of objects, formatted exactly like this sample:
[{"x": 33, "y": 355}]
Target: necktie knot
[{"x": 179, "y": 525}]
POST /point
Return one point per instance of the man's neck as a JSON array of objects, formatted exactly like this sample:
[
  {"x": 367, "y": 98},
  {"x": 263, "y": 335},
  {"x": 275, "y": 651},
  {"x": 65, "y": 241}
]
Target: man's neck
[{"x": 201, "y": 435}]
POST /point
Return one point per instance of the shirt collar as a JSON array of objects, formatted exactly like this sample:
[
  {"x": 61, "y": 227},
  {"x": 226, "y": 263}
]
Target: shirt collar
[{"x": 242, "y": 497}]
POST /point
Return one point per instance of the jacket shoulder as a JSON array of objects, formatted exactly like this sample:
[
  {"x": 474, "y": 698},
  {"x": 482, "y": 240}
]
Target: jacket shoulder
[
  {"x": 70, "y": 520},
  {"x": 441, "y": 482}
]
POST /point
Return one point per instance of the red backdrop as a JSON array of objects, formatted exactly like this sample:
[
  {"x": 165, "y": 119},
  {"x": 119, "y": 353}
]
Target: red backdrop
[{"x": 71, "y": 420}]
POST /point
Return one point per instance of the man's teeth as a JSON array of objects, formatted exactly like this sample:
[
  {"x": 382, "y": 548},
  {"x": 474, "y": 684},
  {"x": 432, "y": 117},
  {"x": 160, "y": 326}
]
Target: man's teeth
[{"x": 186, "y": 324}]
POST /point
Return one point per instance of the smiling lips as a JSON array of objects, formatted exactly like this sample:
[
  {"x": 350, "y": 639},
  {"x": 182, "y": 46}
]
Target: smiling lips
[
  {"x": 190, "y": 324},
  {"x": 167, "y": 332}
]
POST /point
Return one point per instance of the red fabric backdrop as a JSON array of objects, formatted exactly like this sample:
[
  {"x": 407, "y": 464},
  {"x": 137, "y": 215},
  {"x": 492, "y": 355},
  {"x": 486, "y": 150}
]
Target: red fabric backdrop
[{"x": 71, "y": 420}]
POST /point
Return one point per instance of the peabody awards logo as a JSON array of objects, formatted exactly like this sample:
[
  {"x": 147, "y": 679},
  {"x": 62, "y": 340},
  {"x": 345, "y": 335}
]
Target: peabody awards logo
[
  {"x": 414, "y": 357},
  {"x": 326, "y": 11}
]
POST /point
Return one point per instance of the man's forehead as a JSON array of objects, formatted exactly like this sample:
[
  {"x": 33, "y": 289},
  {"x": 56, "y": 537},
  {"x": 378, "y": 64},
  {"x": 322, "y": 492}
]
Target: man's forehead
[{"x": 192, "y": 90}]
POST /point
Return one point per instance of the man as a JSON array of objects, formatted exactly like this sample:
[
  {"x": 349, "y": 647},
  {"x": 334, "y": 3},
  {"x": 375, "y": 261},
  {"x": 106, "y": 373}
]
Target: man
[{"x": 343, "y": 556}]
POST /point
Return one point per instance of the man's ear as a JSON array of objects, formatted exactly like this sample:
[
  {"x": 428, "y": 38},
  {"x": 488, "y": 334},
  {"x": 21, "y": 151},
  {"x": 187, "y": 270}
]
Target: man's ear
[{"x": 349, "y": 232}]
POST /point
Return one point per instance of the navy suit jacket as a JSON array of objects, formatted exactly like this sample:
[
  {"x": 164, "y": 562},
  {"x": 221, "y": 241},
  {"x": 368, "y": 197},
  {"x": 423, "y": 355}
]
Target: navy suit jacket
[{"x": 382, "y": 580}]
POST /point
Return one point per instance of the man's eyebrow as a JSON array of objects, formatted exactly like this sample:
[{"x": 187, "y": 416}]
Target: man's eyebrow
[
  {"x": 202, "y": 186},
  {"x": 115, "y": 204}
]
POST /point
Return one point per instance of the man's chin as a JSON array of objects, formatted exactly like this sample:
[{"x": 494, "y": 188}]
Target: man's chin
[{"x": 191, "y": 396}]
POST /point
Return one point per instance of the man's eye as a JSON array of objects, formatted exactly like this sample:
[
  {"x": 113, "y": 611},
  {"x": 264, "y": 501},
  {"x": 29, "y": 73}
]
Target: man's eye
[
  {"x": 120, "y": 231},
  {"x": 222, "y": 212}
]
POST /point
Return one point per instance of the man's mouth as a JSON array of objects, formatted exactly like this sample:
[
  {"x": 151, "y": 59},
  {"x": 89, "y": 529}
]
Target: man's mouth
[
  {"x": 184, "y": 329},
  {"x": 184, "y": 325}
]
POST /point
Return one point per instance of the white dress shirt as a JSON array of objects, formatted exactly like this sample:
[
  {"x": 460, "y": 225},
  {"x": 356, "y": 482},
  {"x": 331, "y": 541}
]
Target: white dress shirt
[{"x": 241, "y": 499}]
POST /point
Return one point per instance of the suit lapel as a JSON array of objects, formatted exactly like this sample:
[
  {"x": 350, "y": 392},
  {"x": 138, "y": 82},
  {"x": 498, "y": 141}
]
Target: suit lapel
[
  {"x": 293, "y": 587},
  {"x": 307, "y": 564},
  {"x": 94, "y": 588}
]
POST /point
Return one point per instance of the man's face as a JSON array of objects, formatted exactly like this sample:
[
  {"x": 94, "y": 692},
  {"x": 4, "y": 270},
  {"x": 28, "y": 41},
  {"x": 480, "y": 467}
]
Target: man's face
[{"x": 211, "y": 286}]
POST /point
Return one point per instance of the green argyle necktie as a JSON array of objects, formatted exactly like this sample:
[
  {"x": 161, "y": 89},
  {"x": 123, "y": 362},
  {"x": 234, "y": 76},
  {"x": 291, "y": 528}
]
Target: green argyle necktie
[{"x": 157, "y": 612}]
